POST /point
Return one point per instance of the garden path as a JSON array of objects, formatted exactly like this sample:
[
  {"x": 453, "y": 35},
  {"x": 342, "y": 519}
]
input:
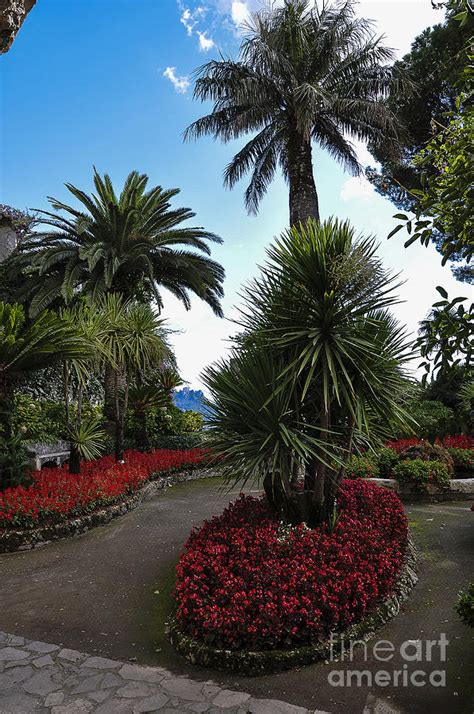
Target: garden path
[{"x": 107, "y": 593}]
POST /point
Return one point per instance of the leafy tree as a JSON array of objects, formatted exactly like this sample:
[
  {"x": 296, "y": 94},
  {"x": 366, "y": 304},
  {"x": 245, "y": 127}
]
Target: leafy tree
[
  {"x": 26, "y": 347},
  {"x": 436, "y": 64},
  {"x": 304, "y": 75},
  {"x": 317, "y": 371},
  {"x": 132, "y": 243}
]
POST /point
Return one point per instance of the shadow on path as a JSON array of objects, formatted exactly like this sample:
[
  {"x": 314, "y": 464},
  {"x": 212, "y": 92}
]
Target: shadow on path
[{"x": 108, "y": 592}]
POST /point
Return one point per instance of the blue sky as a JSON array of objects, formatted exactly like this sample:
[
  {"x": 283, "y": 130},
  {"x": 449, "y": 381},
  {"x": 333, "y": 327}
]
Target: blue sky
[{"x": 109, "y": 83}]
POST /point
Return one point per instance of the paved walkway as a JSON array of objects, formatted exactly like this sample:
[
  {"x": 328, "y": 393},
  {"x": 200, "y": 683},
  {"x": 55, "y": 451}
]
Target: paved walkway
[
  {"x": 39, "y": 677},
  {"x": 108, "y": 592}
]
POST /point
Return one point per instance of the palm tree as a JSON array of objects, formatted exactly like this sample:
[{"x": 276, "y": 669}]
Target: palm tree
[
  {"x": 317, "y": 372},
  {"x": 27, "y": 347},
  {"x": 133, "y": 342},
  {"x": 133, "y": 244},
  {"x": 304, "y": 75}
]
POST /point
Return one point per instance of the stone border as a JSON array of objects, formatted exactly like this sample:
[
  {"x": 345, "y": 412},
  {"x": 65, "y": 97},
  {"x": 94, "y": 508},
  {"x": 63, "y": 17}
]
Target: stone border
[
  {"x": 459, "y": 489},
  {"x": 20, "y": 539},
  {"x": 254, "y": 664}
]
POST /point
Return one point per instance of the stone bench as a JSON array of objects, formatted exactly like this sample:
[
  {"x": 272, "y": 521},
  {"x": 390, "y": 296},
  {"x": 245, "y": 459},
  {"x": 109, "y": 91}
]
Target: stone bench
[{"x": 40, "y": 454}]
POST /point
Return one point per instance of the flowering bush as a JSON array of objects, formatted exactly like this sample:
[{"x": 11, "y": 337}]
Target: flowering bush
[
  {"x": 361, "y": 467},
  {"x": 55, "y": 494},
  {"x": 247, "y": 582},
  {"x": 463, "y": 459},
  {"x": 422, "y": 473}
]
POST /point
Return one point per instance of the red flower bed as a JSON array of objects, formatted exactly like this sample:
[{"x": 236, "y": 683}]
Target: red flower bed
[
  {"x": 245, "y": 581},
  {"x": 449, "y": 442},
  {"x": 56, "y": 494}
]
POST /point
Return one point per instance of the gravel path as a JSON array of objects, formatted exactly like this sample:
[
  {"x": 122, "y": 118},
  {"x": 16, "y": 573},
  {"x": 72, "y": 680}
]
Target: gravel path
[{"x": 107, "y": 592}]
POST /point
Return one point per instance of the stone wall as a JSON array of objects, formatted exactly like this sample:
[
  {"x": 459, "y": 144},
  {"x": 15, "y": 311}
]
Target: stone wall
[{"x": 12, "y": 15}]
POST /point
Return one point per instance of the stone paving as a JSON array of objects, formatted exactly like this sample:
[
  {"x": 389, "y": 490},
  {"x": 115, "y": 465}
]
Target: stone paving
[{"x": 40, "y": 677}]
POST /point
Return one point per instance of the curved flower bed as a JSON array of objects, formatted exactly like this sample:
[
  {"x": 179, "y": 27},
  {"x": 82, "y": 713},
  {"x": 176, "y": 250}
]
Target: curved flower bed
[
  {"x": 56, "y": 495},
  {"x": 246, "y": 582}
]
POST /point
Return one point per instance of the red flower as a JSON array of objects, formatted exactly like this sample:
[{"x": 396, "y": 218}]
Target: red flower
[{"x": 246, "y": 581}]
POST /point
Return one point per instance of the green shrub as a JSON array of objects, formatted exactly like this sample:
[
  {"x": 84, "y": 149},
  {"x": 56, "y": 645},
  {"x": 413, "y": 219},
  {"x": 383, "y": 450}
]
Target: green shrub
[
  {"x": 428, "y": 452},
  {"x": 386, "y": 461},
  {"x": 361, "y": 467},
  {"x": 178, "y": 442},
  {"x": 465, "y": 605},
  {"x": 422, "y": 473},
  {"x": 463, "y": 459}
]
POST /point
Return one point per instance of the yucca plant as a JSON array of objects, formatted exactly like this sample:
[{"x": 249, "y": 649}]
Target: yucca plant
[
  {"x": 141, "y": 400},
  {"x": 317, "y": 370},
  {"x": 86, "y": 438}
]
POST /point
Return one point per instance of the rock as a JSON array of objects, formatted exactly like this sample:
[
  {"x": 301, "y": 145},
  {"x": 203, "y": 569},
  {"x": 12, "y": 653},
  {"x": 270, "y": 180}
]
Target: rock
[
  {"x": 11, "y": 653},
  {"x": 43, "y": 661},
  {"x": 111, "y": 680},
  {"x": 80, "y": 706},
  {"x": 12, "y": 16},
  {"x": 226, "y": 699},
  {"x": 151, "y": 704},
  {"x": 140, "y": 674},
  {"x": 273, "y": 706},
  {"x": 70, "y": 655},
  {"x": 88, "y": 685},
  {"x": 184, "y": 689},
  {"x": 135, "y": 689},
  {"x": 41, "y": 683},
  {"x": 115, "y": 706},
  {"x": 100, "y": 663},
  {"x": 41, "y": 647},
  {"x": 99, "y": 696},
  {"x": 18, "y": 703},
  {"x": 54, "y": 699},
  {"x": 15, "y": 640}
]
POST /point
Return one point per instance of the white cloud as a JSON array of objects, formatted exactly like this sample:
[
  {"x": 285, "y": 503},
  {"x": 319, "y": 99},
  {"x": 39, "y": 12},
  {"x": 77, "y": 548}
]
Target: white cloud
[
  {"x": 240, "y": 13},
  {"x": 181, "y": 84},
  {"x": 205, "y": 43},
  {"x": 187, "y": 20},
  {"x": 357, "y": 187}
]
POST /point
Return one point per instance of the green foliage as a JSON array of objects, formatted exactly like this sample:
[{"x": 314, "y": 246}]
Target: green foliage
[
  {"x": 179, "y": 442},
  {"x": 94, "y": 249},
  {"x": 425, "y": 451},
  {"x": 45, "y": 421},
  {"x": 15, "y": 467},
  {"x": 433, "y": 419},
  {"x": 386, "y": 462},
  {"x": 465, "y": 605},
  {"x": 422, "y": 473},
  {"x": 319, "y": 364},
  {"x": 463, "y": 459},
  {"x": 87, "y": 437},
  {"x": 303, "y": 74},
  {"x": 445, "y": 340},
  {"x": 361, "y": 467}
]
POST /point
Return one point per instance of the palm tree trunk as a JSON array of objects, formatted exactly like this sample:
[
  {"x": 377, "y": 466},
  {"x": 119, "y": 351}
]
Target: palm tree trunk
[
  {"x": 111, "y": 379},
  {"x": 74, "y": 456},
  {"x": 303, "y": 195}
]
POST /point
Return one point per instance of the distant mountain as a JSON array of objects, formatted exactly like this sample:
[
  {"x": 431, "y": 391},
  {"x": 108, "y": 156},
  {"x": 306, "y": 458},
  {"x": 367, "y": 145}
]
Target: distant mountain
[{"x": 190, "y": 399}]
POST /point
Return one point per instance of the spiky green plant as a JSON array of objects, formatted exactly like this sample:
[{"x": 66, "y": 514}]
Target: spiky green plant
[{"x": 319, "y": 366}]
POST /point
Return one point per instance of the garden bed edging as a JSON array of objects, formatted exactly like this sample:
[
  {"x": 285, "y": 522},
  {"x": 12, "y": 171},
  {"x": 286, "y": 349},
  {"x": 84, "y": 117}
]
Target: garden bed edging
[
  {"x": 253, "y": 664},
  {"x": 20, "y": 539}
]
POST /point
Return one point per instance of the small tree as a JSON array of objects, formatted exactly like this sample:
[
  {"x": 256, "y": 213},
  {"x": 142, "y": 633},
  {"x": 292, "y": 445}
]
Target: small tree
[{"x": 317, "y": 371}]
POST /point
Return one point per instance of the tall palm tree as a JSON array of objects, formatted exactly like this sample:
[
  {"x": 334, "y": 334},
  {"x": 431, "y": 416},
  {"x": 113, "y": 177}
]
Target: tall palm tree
[
  {"x": 132, "y": 243},
  {"x": 303, "y": 75},
  {"x": 320, "y": 365}
]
